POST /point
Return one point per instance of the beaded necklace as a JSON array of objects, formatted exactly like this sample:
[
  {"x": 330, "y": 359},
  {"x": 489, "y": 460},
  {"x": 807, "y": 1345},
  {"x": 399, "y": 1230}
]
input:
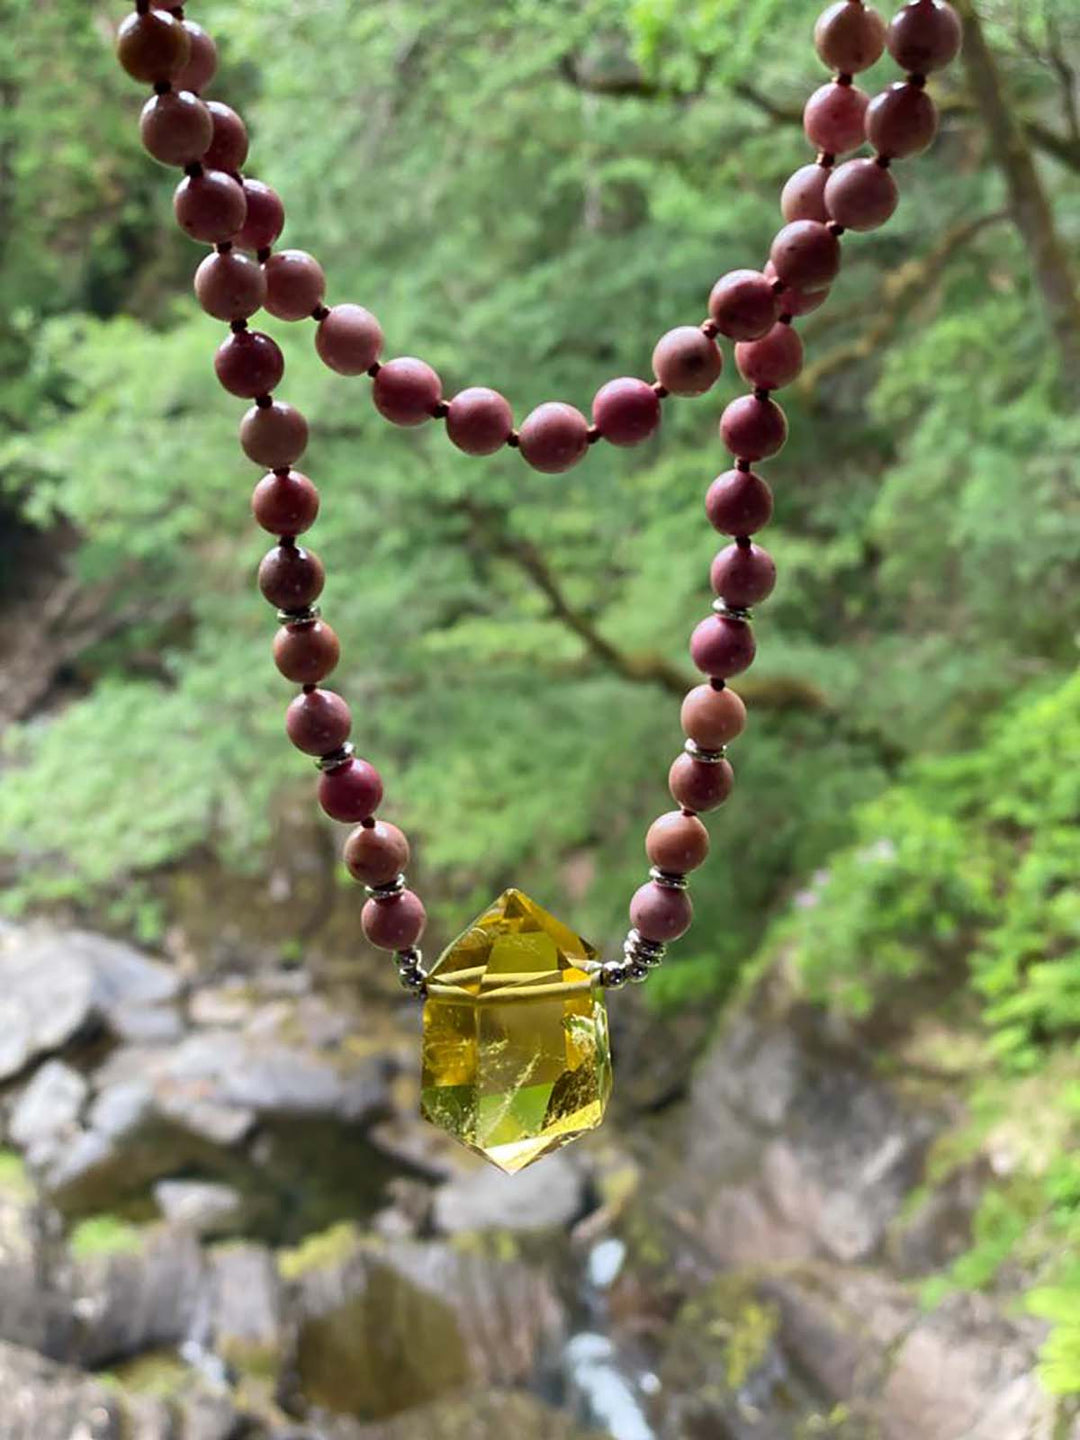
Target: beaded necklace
[{"x": 516, "y": 1059}]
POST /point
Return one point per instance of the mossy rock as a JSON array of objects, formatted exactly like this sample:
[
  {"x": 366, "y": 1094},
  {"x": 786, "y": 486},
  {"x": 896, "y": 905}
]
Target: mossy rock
[{"x": 494, "y": 1415}]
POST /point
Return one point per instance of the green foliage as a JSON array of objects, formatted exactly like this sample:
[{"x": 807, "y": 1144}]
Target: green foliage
[{"x": 103, "y": 1235}]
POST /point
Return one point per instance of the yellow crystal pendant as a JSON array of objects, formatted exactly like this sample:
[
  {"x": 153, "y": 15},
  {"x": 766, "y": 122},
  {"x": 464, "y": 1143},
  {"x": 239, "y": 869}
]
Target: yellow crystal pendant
[{"x": 516, "y": 1054}]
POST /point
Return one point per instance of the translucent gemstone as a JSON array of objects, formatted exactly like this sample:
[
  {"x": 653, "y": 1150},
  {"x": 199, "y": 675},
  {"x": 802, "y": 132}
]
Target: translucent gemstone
[{"x": 516, "y": 1054}]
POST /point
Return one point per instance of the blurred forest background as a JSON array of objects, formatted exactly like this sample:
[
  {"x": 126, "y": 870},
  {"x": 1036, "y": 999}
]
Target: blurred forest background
[{"x": 528, "y": 195}]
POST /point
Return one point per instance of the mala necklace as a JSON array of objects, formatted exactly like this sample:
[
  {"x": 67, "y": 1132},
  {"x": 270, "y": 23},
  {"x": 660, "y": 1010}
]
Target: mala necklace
[{"x": 516, "y": 1060}]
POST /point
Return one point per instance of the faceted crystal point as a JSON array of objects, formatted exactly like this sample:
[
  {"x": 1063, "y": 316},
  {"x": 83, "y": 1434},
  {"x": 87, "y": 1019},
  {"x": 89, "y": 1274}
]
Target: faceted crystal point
[{"x": 516, "y": 1054}]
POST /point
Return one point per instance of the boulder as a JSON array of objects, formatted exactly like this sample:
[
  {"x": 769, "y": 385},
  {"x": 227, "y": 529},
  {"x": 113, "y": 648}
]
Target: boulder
[
  {"x": 204, "y": 1207},
  {"x": 48, "y": 1110},
  {"x": 245, "y": 1314},
  {"x": 546, "y": 1197}
]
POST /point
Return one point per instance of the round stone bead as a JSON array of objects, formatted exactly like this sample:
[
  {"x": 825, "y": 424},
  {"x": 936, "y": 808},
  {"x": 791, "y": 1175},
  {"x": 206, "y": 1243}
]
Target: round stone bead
[
  {"x": 752, "y": 428},
  {"x": 318, "y": 722},
  {"x": 803, "y": 197},
  {"x": 349, "y": 339},
  {"x": 202, "y": 61},
  {"x": 850, "y": 36},
  {"x": 743, "y": 575},
  {"x": 376, "y": 854},
  {"x": 834, "y": 118},
  {"x": 291, "y": 577},
  {"x": 700, "y": 785},
  {"x": 229, "y": 147},
  {"x": 861, "y": 195},
  {"x": 742, "y": 305},
  {"x": 805, "y": 255},
  {"x": 721, "y": 647},
  {"x": 176, "y": 128},
  {"x": 712, "y": 718},
  {"x": 274, "y": 435},
  {"x": 306, "y": 653},
  {"x": 153, "y": 47},
  {"x": 249, "y": 363},
  {"x": 479, "y": 421},
  {"x": 738, "y": 503},
  {"x": 677, "y": 843},
  {"x": 659, "y": 913},
  {"x": 626, "y": 411},
  {"x": 686, "y": 361},
  {"x": 295, "y": 284},
  {"x": 902, "y": 121},
  {"x": 773, "y": 361},
  {"x": 406, "y": 391},
  {"x": 351, "y": 792},
  {"x": 924, "y": 36},
  {"x": 394, "y": 923},
  {"x": 797, "y": 302},
  {"x": 210, "y": 207},
  {"x": 554, "y": 437},
  {"x": 285, "y": 504},
  {"x": 230, "y": 286},
  {"x": 265, "y": 217}
]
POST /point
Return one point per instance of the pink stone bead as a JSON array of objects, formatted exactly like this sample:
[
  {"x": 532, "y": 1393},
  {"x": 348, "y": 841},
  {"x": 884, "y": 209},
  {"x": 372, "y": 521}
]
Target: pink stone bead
[
  {"x": 274, "y": 435},
  {"x": 902, "y": 121},
  {"x": 626, "y": 411},
  {"x": 834, "y": 117},
  {"x": 153, "y": 47},
  {"x": 349, "y": 339},
  {"x": 176, "y": 128},
  {"x": 202, "y": 60},
  {"x": 861, "y": 195},
  {"x": 406, "y": 391},
  {"x": 295, "y": 284},
  {"x": 797, "y": 302},
  {"x": 210, "y": 207},
  {"x": 753, "y": 429},
  {"x": 376, "y": 854},
  {"x": 742, "y": 305},
  {"x": 229, "y": 147},
  {"x": 352, "y": 792},
  {"x": 285, "y": 504},
  {"x": 396, "y": 923},
  {"x": 554, "y": 437},
  {"x": 306, "y": 653},
  {"x": 721, "y": 647},
  {"x": 803, "y": 197},
  {"x": 291, "y": 577},
  {"x": 712, "y": 718},
  {"x": 677, "y": 843},
  {"x": 924, "y": 36},
  {"x": 661, "y": 914},
  {"x": 806, "y": 255},
  {"x": 479, "y": 421},
  {"x": 850, "y": 36},
  {"x": 738, "y": 503},
  {"x": 318, "y": 722},
  {"x": 230, "y": 286},
  {"x": 248, "y": 364},
  {"x": 686, "y": 361},
  {"x": 773, "y": 361},
  {"x": 700, "y": 785},
  {"x": 743, "y": 575},
  {"x": 265, "y": 217}
]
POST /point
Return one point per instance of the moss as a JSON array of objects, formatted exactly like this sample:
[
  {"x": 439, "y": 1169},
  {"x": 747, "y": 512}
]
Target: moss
[
  {"x": 161, "y": 1375},
  {"x": 319, "y": 1251},
  {"x": 14, "y": 1182},
  {"x": 104, "y": 1235},
  {"x": 730, "y": 1313}
]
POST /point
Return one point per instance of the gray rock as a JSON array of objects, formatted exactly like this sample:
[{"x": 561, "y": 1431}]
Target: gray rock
[
  {"x": 201, "y": 1206},
  {"x": 49, "y": 1108},
  {"x": 246, "y": 1309},
  {"x": 546, "y": 1197},
  {"x": 44, "y": 1401}
]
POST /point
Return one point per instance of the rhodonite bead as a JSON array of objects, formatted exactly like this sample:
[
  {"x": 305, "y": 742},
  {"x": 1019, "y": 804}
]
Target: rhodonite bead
[
  {"x": 700, "y": 785},
  {"x": 229, "y": 147},
  {"x": 265, "y": 216},
  {"x": 686, "y": 361},
  {"x": 712, "y": 718},
  {"x": 659, "y": 913},
  {"x": 394, "y": 923},
  {"x": 318, "y": 722},
  {"x": 743, "y": 575},
  {"x": 850, "y": 36},
  {"x": 626, "y": 411},
  {"x": 721, "y": 647},
  {"x": 738, "y": 503},
  {"x": 291, "y": 577},
  {"x": 249, "y": 363},
  {"x": 210, "y": 207},
  {"x": 153, "y": 47},
  {"x": 349, "y": 339},
  {"x": 925, "y": 35},
  {"x": 285, "y": 504},
  {"x": 803, "y": 197},
  {"x": 406, "y": 391},
  {"x": 201, "y": 66},
  {"x": 230, "y": 286},
  {"x": 306, "y": 653},
  {"x": 861, "y": 195},
  {"x": 677, "y": 843},
  {"x": 753, "y": 428},
  {"x": 797, "y": 302},
  {"x": 175, "y": 128},
  {"x": 902, "y": 121},
  {"x": 295, "y": 284},
  {"x": 479, "y": 421},
  {"x": 376, "y": 854},
  {"x": 834, "y": 118},
  {"x": 274, "y": 435},
  {"x": 773, "y": 361},
  {"x": 742, "y": 305},
  {"x": 805, "y": 255},
  {"x": 351, "y": 792},
  {"x": 554, "y": 437}
]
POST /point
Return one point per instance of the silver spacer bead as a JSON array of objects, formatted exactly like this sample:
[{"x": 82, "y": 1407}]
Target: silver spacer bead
[
  {"x": 732, "y": 612},
  {"x": 614, "y": 974},
  {"x": 639, "y": 972},
  {"x": 387, "y": 891},
  {"x": 307, "y": 616},
  {"x": 410, "y": 965},
  {"x": 707, "y": 757},
  {"x": 669, "y": 880},
  {"x": 636, "y": 947},
  {"x": 336, "y": 758}
]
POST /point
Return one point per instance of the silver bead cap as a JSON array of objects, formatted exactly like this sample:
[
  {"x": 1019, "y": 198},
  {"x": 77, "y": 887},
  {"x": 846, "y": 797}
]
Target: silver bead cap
[
  {"x": 388, "y": 891},
  {"x": 668, "y": 879},
  {"x": 732, "y": 612},
  {"x": 307, "y": 616},
  {"x": 707, "y": 757},
  {"x": 336, "y": 758},
  {"x": 636, "y": 947}
]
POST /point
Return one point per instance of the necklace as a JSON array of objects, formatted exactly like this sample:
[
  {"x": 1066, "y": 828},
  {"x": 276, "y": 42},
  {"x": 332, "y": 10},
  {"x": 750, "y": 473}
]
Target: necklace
[{"x": 516, "y": 1058}]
